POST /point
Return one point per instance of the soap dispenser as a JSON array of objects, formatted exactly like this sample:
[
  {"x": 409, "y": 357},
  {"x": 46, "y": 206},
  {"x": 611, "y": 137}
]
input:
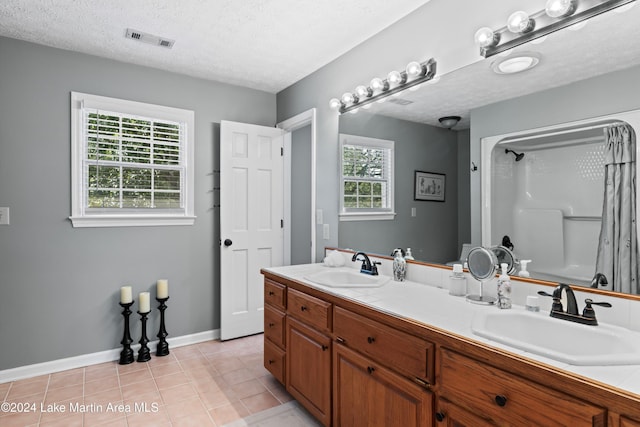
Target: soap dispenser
[
  {"x": 399, "y": 266},
  {"x": 504, "y": 288},
  {"x": 523, "y": 268},
  {"x": 408, "y": 255}
]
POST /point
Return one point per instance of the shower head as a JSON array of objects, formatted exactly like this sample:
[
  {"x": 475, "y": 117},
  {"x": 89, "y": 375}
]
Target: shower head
[{"x": 518, "y": 156}]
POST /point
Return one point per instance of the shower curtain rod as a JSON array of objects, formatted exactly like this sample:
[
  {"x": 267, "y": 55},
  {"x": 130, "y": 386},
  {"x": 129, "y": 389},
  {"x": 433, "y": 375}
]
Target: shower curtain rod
[{"x": 561, "y": 132}]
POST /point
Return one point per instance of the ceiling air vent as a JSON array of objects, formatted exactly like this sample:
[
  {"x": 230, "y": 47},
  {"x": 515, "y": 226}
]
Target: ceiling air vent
[
  {"x": 149, "y": 38},
  {"x": 400, "y": 101}
]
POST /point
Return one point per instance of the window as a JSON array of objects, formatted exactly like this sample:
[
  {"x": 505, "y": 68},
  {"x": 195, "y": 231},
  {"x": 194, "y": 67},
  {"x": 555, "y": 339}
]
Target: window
[
  {"x": 132, "y": 163},
  {"x": 366, "y": 185}
]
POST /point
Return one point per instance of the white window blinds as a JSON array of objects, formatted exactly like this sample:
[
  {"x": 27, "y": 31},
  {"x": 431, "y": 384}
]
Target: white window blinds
[{"x": 132, "y": 161}]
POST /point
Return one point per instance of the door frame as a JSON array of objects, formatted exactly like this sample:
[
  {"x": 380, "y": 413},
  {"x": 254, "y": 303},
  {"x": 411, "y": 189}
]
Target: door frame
[{"x": 289, "y": 125}]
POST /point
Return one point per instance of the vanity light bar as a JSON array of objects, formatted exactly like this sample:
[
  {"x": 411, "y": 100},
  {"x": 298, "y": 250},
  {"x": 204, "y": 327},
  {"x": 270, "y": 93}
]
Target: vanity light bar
[
  {"x": 540, "y": 24},
  {"x": 394, "y": 83}
]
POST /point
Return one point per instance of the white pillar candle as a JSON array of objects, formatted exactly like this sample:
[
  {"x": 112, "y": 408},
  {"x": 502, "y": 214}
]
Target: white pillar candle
[
  {"x": 145, "y": 302},
  {"x": 162, "y": 289},
  {"x": 125, "y": 295}
]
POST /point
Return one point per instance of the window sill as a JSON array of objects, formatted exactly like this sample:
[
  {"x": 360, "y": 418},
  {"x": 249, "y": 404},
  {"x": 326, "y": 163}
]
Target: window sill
[
  {"x": 130, "y": 221},
  {"x": 369, "y": 216}
]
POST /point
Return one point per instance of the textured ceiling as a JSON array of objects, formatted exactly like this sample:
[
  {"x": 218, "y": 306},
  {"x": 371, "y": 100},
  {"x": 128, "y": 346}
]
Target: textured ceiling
[
  {"x": 261, "y": 44},
  {"x": 607, "y": 43},
  {"x": 271, "y": 44}
]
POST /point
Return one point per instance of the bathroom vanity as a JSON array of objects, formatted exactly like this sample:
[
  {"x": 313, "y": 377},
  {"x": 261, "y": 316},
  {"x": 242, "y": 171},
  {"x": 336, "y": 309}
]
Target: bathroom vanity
[{"x": 401, "y": 354}]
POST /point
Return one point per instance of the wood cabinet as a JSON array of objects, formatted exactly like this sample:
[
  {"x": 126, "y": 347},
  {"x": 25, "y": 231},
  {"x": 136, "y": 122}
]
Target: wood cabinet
[
  {"x": 352, "y": 365},
  {"x": 367, "y": 394},
  {"x": 309, "y": 369}
]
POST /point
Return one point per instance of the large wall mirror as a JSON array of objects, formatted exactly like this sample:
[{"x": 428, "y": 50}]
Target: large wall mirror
[{"x": 436, "y": 231}]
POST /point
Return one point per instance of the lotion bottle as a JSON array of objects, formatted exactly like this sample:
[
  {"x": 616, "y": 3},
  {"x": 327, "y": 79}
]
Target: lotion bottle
[
  {"x": 399, "y": 266},
  {"x": 408, "y": 255},
  {"x": 504, "y": 288}
]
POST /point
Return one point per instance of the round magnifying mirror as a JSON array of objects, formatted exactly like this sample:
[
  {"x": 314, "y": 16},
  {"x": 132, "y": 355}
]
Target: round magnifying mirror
[
  {"x": 482, "y": 264},
  {"x": 505, "y": 256}
]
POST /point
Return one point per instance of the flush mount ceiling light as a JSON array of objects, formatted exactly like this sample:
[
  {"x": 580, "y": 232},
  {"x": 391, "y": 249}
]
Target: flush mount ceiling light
[
  {"x": 522, "y": 27},
  {"x": 378, "y": 89},
  {"x": 449, "y": 121},
  {"x": 516, "y": 63}
]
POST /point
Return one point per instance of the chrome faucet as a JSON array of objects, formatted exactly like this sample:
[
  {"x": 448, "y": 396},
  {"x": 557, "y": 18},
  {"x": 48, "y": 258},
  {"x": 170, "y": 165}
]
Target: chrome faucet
[
  {"x": 588, "y": 316},
  {"x": 368, "y": 267}
]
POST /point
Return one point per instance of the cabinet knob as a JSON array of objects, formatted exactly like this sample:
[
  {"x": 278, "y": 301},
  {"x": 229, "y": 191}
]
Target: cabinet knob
[
  {"x": 371, "y": 340},
  {"x": 370, "y": 369},
  {"x": 440, "y": 416},
  {"x": 271, "y": 325},
  {"x": 271, "y": 293},
  {"x": 325, "y": 347},
  {"x": 501, "y": 400},
  {"x": 303, "y": 308},
  {"x": 271, "y": 362}
]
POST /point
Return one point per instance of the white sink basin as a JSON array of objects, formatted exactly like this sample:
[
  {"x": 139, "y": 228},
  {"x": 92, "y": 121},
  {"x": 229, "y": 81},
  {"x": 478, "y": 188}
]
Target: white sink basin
[
  {"x": 346, "y": 278},
  {"x": 558, "y": 339}
]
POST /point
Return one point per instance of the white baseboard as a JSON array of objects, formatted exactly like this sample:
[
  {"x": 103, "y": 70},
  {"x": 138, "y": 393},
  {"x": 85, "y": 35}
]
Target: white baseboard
[{"x": 52, "y": 366}]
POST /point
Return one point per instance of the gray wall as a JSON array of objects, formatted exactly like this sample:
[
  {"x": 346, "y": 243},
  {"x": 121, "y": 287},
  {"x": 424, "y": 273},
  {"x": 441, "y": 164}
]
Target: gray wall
[
  {"x": 301, "y": 195},
  {"x": 418, "y": 36},
  {"x": 432, "y": 234},
  {"x": 59, "y": 286},
  {"x": 606, "y": 94}
]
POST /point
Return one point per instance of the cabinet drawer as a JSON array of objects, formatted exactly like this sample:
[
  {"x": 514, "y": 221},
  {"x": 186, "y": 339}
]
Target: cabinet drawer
[
  {"x": 389, "y": 346},
  {"x": 504, "y": 397},
  {"x": 275, "y": 294},
  {"x": 274, "y": 361},
  {"x": 449, "y": 415},
  {"x": 311, "y": 310},
  {"x": 274, "y": 326}
]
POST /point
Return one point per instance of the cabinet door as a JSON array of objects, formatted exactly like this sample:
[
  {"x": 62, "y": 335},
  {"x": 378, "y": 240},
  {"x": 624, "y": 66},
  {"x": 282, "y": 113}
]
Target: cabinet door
[
  {"x": 308, "y": 365},
  {"x": 368, "y": 395}
]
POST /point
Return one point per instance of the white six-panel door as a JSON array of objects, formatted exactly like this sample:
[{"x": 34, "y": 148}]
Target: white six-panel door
[{"x": 251, "y": 213}]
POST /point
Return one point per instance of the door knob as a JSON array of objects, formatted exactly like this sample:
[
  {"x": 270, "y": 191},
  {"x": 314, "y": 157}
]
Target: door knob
[{"x": 228, "y": 242}]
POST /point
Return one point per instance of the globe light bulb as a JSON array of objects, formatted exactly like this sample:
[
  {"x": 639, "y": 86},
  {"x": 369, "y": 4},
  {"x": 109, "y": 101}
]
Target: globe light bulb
[
  {"x": 348, "y": 98},
  {"x": 485, "y": 37},
  {"x": 396, "y": 78},
  {"x": 335, "y": 104},
  {"x": 560, "y": 8},
  {"x": 363, "y": 91},
  {"x": 378, "y": 85},
  {"x": 414, "y": 69},
  {"x": 519, "y": 22}
]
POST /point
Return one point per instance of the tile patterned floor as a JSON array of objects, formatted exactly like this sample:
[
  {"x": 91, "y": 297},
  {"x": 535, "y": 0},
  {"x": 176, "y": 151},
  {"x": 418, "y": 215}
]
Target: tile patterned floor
[{"x": 206, "y": 384}]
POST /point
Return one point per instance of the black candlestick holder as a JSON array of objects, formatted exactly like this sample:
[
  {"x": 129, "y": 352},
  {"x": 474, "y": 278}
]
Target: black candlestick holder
[
  {"x": 143, "y": 353},
  {"x": 163, "y": 346},
  {"x": 126, "y": 355}
]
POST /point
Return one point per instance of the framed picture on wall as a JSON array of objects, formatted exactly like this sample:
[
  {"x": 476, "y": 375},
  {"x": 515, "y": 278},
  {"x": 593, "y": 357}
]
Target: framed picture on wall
[{"x": 429, "y": 186}]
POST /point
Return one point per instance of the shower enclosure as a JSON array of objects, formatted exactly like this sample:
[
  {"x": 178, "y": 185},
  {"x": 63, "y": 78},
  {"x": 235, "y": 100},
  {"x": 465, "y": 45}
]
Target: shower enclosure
[{"x": 544, "y": 189}]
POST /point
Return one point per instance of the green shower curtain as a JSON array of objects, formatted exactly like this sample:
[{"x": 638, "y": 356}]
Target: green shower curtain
[{"x": 618, "y": 246}]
